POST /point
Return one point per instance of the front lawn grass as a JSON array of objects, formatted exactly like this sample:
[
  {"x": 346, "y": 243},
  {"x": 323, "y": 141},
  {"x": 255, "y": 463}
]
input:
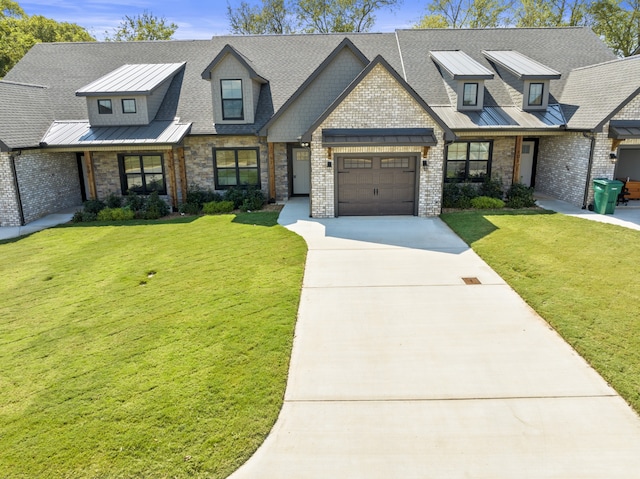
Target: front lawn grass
[
  {"x": 579, "y": 275},
  {"x": 156, "y": 349}
]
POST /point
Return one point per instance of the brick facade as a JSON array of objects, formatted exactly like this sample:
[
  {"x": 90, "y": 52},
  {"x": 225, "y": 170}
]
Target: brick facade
[
  {"x": 394, "y": 108},
  {"x": 47, "y": 182},
  {"x": 9, "y": 209}
]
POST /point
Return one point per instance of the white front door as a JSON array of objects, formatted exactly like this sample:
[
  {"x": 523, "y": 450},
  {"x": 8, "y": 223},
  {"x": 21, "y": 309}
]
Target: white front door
[
  {"x": 526, "y": 162},
  {"x": 301, "y": 171}
]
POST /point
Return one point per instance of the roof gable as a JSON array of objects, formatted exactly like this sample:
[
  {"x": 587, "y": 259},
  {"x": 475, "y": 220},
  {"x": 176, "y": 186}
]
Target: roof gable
[
  {"x": 344, "y": 44},
  {"x": 229, "y": 50},
  {"x": 595, "y": 94},
  {"x": 379, "y": 60},
  {"x": 24, "y": 115}
]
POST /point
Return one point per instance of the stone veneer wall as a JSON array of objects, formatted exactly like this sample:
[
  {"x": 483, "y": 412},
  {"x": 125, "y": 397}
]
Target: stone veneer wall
[
  {"x": 9, "y": 214},
  {"x": 379, "y": 101},
  {"x": 563, "y": 163},
  {"x": 198, "y": 155},
  {"x": 48, "y": 182}
]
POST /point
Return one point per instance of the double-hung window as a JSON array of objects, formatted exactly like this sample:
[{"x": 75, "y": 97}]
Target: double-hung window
[
  {"x": 236, "y": 167},
  {"x": 468, "y": 161},
  {"x": 470, "y": 94},
  {"x": 142, "y": 174},
  {"x": 536, "y": 91},
  {"x": 232, "y": 106}
]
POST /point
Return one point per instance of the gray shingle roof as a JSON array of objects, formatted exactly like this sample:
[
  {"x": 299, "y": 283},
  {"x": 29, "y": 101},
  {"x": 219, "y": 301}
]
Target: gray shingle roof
[
  {"x": 286, "y": 61},
  {"x": 579, "y": 47},
  {"x": 25, "y": 113},
  {"x": 594, "y": 94}
]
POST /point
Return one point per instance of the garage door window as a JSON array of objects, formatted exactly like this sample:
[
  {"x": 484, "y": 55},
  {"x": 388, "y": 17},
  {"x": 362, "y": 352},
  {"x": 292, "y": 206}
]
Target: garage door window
[
  {"x": 355, "y": 163},
  {"x": 394, "y": 163},
  {"x": 468, "y": 161}
]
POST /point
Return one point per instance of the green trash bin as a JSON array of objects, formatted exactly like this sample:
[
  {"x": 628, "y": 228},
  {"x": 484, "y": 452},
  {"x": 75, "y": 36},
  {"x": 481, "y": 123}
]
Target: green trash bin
[{"x": 605, "y": 195}]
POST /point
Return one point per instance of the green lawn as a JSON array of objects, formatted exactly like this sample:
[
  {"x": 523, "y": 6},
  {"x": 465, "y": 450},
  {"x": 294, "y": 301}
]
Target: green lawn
[
  {"x": 583, "y": 277},
  {"x": 155, "y": 349}
]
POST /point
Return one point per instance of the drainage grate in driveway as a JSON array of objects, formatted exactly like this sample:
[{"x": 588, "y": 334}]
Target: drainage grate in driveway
[{"x": 471, "y": 281}]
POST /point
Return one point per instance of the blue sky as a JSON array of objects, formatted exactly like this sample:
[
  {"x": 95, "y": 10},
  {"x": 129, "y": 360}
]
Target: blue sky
[{"x": 196, "y": 19}]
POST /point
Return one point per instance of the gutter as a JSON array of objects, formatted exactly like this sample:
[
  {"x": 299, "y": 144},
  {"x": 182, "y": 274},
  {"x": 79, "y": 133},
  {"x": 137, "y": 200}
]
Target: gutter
[
  {"x": 16, "y": 185},
  {"x": 592, "y": 137}
]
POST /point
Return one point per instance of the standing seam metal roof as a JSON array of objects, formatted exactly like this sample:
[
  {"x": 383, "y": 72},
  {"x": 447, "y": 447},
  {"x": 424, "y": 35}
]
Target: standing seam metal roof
[
  {"x": 522, "y": 66},
  {"x": 140, "y": 79},
  {"x": 460, "y": 65}
]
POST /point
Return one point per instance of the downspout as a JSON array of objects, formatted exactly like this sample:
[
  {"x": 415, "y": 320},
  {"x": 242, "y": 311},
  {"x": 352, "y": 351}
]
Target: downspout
[
  {"x": 592, "y": 137},
  {"x": 16, "y": 185}
]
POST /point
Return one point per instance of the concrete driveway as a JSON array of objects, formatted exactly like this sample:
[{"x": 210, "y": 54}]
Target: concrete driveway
[{"x": 401, "y": 370}]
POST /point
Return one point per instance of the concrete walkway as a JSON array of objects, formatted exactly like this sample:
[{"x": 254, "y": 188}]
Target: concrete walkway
[
  {"x": 55, "y": 219},
  {"x": 401, "y": 370}
]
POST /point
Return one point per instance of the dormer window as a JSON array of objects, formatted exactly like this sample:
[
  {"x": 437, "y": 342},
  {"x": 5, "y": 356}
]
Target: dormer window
[
  {"x": 232, "y": 104},
  {"x": 129, "y": 105},
  {"x": 467, "y": 78},
  {"x": 535, "y": 94},
  {"x": 470, "y": 94},
  {"x": 533, "y": 77},
  {"x": 105, "y": 107}
]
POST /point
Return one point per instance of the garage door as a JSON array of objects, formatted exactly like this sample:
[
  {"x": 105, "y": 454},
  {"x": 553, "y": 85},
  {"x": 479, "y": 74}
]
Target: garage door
[{"x": 376, "y": 185}]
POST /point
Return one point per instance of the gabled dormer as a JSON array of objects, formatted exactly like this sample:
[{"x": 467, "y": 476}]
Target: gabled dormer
[
  {"x": 235, "y": 87},
  {"x": 465, "y": 77},
  {"x": 529, "y": 79},
  {"x": 130, "y": 95}
]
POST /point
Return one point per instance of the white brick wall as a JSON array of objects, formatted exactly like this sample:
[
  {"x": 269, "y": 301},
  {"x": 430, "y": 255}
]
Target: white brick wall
[
  {"x": 9, "y": 215},
  {"x": 379, "y": 101}
]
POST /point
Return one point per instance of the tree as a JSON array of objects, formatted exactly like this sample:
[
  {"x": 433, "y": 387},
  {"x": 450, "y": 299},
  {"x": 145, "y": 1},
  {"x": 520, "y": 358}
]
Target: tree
[
  {"x": 466, "y": 14},
  {"x": 9, "y": 8},
  {"x": 19, "y": 32},
  {"x": 145, "y": 26},
  {"x": 618, "y": 23},
  {"x": 309, "y": 16},
  {"x": 251, "y": 19},
  {"x": 553, "y": 13}
]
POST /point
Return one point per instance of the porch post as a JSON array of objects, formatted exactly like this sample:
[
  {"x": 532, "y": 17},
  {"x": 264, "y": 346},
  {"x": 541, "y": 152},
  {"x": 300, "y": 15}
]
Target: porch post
[
  {"x": 272, "y": 172},
  {"x": 183, "y": 174},
  {"x": 91, "y": 177},
  {"x": 172, "y": 179},
  {"x": 517, "y": 156}
]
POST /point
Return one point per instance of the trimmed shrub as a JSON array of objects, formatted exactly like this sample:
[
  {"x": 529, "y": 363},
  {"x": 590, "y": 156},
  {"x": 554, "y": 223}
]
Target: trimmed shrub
[
  {"x": 115, "y": 214},
  {"x": 245, "y": 199},
  {"x": 77, "y": 217},
  {"x": 520, "y": 196},
  {"x": 491, "y": 188},
  {"x": 155, "y": 207},
  {"x": 487, "y": 203},
  {"x": 113, "y": 201},
  {"x": 199, "y": 196},
  {"x": 93, "y": 206},
  {"x": 459, "y": 195},
  {"x": 133, "y": 201},
  {"x": 189, "y": 208},
  {"x": 217, "y": 207}
]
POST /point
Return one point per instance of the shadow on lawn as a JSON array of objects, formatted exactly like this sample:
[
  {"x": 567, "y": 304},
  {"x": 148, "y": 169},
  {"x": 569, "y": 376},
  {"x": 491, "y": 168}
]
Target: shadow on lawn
[{"x": 473, "y": 225}]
